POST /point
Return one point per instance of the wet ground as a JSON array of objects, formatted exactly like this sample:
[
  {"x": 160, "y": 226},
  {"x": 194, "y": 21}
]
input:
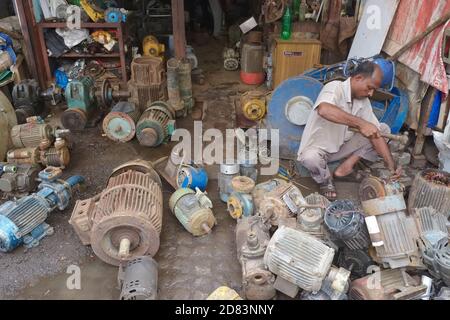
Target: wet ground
[{"x": 189, "y": 268}]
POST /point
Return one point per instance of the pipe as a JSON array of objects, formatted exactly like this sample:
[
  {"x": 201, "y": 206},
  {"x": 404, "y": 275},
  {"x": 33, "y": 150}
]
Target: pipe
[{"x": 75, "y": 180}]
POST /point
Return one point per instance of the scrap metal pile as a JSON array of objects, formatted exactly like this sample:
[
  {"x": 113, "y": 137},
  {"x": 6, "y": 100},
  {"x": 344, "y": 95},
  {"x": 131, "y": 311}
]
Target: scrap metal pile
[{"x": 383, "y": 250}]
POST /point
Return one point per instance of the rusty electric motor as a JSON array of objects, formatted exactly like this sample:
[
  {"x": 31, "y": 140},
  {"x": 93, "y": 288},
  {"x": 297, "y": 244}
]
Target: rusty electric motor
[{"x": 125, "y": 220}]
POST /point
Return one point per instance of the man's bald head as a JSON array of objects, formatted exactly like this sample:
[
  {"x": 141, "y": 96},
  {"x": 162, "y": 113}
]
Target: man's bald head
[{"x": 366, "y": 78}]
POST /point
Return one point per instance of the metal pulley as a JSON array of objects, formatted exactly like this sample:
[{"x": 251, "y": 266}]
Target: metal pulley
[
  {"x": 107, "y": 95},
  {"x": 254, "y": 105}
]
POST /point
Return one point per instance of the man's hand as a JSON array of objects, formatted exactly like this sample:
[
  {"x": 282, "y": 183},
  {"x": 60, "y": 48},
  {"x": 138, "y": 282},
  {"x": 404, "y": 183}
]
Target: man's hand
[
  {"x": 396, "y": 174},
  {"x": 369, "y": 130}
]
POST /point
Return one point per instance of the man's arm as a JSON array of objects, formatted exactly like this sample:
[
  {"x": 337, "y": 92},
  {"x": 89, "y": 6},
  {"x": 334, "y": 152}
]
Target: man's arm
[{"x": 367, "y": 129}]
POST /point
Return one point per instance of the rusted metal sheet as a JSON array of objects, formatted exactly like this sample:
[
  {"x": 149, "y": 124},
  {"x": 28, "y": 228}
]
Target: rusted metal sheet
[{"x": 426, "y": 56}]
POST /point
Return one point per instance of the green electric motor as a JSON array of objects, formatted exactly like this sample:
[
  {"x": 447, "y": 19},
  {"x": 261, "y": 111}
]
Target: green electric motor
[{"x": 81, "y": 102}]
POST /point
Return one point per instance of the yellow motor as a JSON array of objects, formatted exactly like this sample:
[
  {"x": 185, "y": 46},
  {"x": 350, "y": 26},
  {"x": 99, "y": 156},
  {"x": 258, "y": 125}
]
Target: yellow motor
[
  {"x": 254, "y": 105},
  {"x": 151, "y": 47}
]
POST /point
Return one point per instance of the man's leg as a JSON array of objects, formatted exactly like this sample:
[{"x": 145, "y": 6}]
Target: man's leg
[
  {"x": 316, "y": 161},
  {"x": 354, "y": 150}
]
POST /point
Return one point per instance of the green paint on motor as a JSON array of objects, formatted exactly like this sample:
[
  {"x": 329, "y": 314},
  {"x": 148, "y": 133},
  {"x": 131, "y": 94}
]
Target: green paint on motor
[{"x": 81, "y": 102}]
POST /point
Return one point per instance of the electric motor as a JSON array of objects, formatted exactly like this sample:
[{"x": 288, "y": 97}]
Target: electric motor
[
  {"x": 151, "y": 47},
  {"x": 310, "y": 220},
  {"x": 193, "y": 210},
  {"x": 192, "y": 177},
  {"x": 252, "y": 238},
  {"x": 185, "y": 81},
  {"x": 30, "y": 135},
  {"x": 227, "y": 173},
  {"x": 230, "y": 59},
  {"x": 27, "y": 99},
  {"x": 393, "y": 233},
  {"x": 298, "y": 258},
  {"x": 23, "y": 221},
  {"x": 173, "y": 88},
  {"x": 346, "y": 224},
  {"x": 431, "y": 188},
  {"x": 284, "y": 201},
  {"x": 153, "y": 127},
  {"x": 357, "y": 261},
  {"x": 125, "y": 220},
  {"x": 394, "y": 284},
  {"x": 240, "y": 202},
  {"x": 262, "y": 189},
  {"x": 24, "y": 156},
  {"x": 81, "y": 102},
  {"x": 148, "y": 81},
  {"x": 140, "y": 279},
  {"x": 120, "y": 124},
  {"x": 20, "y": 181}
]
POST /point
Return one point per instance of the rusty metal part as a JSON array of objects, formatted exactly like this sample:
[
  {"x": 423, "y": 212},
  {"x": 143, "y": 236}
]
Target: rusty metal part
[
  {"x": 120, "y": 124},
  {"x": 298, "y": 258},
  {"x": 30, "y": 135},
  {"x": 393, "y": 233},
  {"x": 107, "y": 95},
  {"x": 143, "y": 95},
  {"x": 7, "y": 109},
  {"x": 125, "y": 221},
  {"x": 243, "y": 184},
  {"x": 346, "y": 224},
  {"x": 252, "y": 237},
  {"x": 55, "y": 157},
  {"x": 264, "y": 188},
  {"x": 8, "y": 119},
  {"x": 273, "y": 10},
  {"x": 173, "y": 88},
  {"x": 147, "y": 71},
  {"x": 24, "y": 156},
  {"x": 310, "y": 220},
  {"x": 431, "y": 188},
  {"x": 387, "y": 285},
  {"x": 283, "y": 202},
  {"x": 74, "y": 119},
  {"x": 138, "y": 165},
  {"x": 336, "y": 284},
  {"x": 185, "y": 82}
]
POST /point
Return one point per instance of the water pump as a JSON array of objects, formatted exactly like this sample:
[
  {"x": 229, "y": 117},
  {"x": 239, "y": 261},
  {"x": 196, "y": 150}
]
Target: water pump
[{"x": 23, "y": 221}]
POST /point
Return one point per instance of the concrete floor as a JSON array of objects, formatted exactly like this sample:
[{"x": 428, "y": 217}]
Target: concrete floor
[{"x": 189, "y": 268}]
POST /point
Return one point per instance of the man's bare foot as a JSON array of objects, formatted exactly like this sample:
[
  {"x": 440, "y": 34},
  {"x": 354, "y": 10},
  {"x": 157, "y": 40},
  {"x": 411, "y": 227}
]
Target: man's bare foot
[{"x": 346, "y": 168}]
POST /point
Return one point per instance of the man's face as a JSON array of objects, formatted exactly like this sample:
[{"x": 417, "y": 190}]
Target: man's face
[{"x": 364, "y": 87}]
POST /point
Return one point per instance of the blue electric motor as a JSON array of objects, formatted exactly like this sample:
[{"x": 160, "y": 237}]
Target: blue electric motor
[
  {"x": 23, "y": 221},
  {"x": 192, "y": 178}
]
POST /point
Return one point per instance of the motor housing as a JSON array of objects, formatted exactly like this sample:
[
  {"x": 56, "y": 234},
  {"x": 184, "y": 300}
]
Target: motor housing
[
  {"x": 125, "y": 220},
  {"x": 155, "y": 125},
  {"x": 193, "y": 210},
  {"x": 252, "y": 238},
  {"x": 139, "y": 281},
  {"x": 20, "y": 181},
  {"x": 23, "y": 221}
]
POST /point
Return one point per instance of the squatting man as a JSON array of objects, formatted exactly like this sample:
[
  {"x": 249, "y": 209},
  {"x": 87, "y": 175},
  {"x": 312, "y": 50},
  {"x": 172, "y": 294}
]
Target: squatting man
[{"x": 340, "y": 107}]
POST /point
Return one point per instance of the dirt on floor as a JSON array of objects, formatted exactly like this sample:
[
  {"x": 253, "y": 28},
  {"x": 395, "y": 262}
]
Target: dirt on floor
[{"x": 189, "y": 267}]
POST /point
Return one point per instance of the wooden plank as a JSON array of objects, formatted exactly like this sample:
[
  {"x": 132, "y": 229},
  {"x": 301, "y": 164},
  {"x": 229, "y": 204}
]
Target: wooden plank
[
  {"x": 179, "y": 32},
  {"x": 27, "y": 43}
]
